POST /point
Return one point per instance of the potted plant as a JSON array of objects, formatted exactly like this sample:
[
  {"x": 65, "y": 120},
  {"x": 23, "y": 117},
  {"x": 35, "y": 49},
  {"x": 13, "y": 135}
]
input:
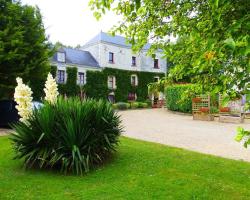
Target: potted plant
[
  {"x": 196, "y": 100},
  {"x": 204, "y": 110},
  {"x": 224, "y": 109}
]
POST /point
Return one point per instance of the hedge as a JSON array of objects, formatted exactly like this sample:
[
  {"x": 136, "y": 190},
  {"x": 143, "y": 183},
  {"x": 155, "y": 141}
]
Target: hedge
[
  {"x": 97, "y": 87},
  {"x": 174, "y": 98}
]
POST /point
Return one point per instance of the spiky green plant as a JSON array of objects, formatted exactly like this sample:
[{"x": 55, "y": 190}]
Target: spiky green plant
[{"x": 71, "y": 135}]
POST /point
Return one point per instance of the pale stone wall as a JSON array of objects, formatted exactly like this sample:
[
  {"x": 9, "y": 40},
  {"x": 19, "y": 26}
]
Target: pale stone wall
[{"x": 123, "y": 58}]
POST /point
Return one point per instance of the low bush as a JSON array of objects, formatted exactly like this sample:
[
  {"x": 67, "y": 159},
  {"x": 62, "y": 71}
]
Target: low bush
[
  {"x": 142, "y": 105},
  {"x": 71, "y": 135},
  {"x": 149, "y": 102},
  {"x": 214, "y": 110},
  {"x": 134, "y": 105},
  {"x": 121, "y": 106},
  {"x": 175, "y": 100}
]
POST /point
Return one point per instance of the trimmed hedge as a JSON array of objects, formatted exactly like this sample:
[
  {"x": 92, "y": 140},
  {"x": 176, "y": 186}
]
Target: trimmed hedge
[
  {"x": 132, "y": 105},
  {"x": 121, "y": 106},
  {"x": 97, "y": 87},
  {"x": 174, "y": 98}
]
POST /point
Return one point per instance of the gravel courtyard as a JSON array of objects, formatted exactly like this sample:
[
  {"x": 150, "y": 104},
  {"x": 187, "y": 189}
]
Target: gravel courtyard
[{"x": 161, "y": 126}]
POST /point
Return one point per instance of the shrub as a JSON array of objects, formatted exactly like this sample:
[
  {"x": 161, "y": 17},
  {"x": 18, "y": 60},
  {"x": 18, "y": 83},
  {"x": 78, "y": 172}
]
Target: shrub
[
  {"x": 145, "y": 105},
  {"x": 134, "y": 105},
  {"x": 175, "y": 100},
  {"x": 71, "y": 135},
  {"x": 115, "y": 106},
  {"x": 214, "y": 110},
  {"x": 121, "y": 106},
  {"x": 142, "y": 105},
  {"x": 149, "y": 102}
]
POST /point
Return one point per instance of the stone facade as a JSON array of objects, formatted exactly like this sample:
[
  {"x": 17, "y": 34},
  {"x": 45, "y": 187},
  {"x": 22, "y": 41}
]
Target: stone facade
[
  {"x": 100, "y": 47},
  {"x": 105, "y": 51}
]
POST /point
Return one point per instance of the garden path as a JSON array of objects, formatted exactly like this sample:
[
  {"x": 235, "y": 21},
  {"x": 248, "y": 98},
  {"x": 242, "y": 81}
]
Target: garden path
[
  {"x": 162, "y": 126},
  {"x": 4, "y": 131}
]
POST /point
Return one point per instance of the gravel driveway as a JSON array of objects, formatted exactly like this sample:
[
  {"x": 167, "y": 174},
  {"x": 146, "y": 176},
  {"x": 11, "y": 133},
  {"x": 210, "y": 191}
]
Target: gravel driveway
[{"x": 161, "y": 126}]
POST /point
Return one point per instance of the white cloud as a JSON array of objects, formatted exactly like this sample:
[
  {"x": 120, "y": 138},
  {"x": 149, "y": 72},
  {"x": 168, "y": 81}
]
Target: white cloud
[{"x": 71, "y": 22}]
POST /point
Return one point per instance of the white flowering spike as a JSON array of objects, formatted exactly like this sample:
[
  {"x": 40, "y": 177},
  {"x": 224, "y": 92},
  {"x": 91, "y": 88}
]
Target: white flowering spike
[
  {"x": 51, "y": 90},
  {"x": 23, "y": 99}
]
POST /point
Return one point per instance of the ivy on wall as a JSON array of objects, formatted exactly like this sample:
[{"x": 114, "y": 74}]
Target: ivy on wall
[
  {"x": 53, "y": 70},
  {"x": 97, "y": 87},
  {"x": 70, "y": 88},
  {"x": 97, "y": 83}
]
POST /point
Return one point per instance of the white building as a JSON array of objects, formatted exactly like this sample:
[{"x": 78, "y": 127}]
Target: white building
[
  {"x": 67, "y": 57},
  {"x": 115, "y": 52},
  {"x": 104, "y": 51}
]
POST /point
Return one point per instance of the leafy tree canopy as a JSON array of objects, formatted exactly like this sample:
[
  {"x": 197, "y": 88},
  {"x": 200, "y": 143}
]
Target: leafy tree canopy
[
  {"x": 24, "y": 48},
  {"x": 213, "y": 37}
]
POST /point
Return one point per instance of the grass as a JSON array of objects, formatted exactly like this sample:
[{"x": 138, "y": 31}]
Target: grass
[{"x": 140, "y": 170}]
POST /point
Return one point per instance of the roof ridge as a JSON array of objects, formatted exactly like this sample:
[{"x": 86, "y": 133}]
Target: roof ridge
[{"x": 75, "y": 49}]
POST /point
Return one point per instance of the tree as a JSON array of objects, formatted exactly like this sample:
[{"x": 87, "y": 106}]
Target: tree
[
  {"x": 213, "y": 40},
  {"x": 24, "y": 48},
  {"x": 213, "y": 37}
]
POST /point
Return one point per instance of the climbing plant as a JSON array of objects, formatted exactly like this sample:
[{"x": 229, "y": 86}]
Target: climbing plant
[{"x": 97, "y": 84}]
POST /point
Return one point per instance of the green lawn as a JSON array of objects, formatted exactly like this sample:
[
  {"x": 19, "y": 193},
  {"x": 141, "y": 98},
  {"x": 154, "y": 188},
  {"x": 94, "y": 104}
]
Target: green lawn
[{"x": 140, "y": 170}]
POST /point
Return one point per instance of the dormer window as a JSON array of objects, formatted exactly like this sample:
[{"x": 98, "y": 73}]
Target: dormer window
[
  {"x": 156, "y": 63},
  {"x": 133, "y": 61},
  {"x": 111, "y": 57},
  {"x": 61, "y": 57}
]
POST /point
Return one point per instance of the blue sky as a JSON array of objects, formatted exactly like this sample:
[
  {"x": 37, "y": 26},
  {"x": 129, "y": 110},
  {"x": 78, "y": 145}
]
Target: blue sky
[{"x": 71, "y": 22}]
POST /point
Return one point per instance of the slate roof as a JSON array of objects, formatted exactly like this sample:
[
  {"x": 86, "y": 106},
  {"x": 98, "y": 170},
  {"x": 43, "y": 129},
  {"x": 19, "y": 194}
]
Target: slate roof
[
  {"x": 78, "y": 57},
  {"x": 118, "y": 40}
]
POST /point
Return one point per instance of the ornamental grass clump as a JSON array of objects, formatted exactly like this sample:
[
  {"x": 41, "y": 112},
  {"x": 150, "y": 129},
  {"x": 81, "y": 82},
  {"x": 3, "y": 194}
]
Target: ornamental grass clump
[{"x": 71, "y": 135}]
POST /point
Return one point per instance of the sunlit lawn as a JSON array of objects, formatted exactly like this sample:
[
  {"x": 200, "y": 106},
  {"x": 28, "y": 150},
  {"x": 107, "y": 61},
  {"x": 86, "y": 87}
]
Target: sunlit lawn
[{"x": 140, "y": 170}]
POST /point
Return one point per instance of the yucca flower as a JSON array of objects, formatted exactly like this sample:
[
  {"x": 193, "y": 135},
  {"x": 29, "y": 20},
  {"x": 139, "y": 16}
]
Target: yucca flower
[
  {"x": 51, "y": 90},
  {"x": 23, "y": 98}
]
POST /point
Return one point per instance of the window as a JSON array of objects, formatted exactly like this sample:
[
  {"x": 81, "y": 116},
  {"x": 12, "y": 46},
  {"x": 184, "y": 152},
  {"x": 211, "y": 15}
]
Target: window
[
  {"x": 132, "y": 96},
  {"x": 60, "y": 57},
  {"x": 134, "y": 80},
  {"x": 111, "y": 82},
  {"x": 111, "y": 97},
  {"x": 156, "y": 78},
  {"x": 111, "y": 57},
  {"x": 60, "y": 76},
  {"x": 156, "y": 63},
  {"x": 133, "y": 61},
  {"x": 81, "y": 78}
]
